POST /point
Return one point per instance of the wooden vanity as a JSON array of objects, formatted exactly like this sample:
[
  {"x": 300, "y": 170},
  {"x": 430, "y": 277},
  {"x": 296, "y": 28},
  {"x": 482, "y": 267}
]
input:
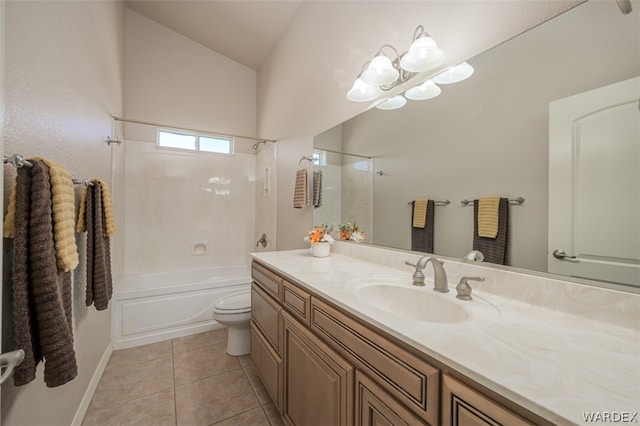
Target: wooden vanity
[{"x": 322, "y": 365}]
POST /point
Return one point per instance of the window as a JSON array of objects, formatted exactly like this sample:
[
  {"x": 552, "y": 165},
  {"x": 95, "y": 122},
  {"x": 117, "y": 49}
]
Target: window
[{"x": 195, "y": 142}]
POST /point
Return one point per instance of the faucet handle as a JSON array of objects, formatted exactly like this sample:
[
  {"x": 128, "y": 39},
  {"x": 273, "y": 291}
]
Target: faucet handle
[
  {"x": 418, "y": 275},
  {"x": 464, "y": 289}
]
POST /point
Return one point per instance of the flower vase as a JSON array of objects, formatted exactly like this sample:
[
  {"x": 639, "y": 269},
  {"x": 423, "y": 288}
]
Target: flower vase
[{"x": 320, "y": 249}]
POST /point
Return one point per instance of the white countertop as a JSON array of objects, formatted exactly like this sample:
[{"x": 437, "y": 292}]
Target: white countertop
[{"x": 554, "y": 363}]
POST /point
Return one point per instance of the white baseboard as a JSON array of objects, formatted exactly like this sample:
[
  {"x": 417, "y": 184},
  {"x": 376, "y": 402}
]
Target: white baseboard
[{"x": 93, "y": 385}]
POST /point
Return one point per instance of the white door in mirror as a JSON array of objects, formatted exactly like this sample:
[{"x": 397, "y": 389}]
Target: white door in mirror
[{"x": 594, "y": 184}]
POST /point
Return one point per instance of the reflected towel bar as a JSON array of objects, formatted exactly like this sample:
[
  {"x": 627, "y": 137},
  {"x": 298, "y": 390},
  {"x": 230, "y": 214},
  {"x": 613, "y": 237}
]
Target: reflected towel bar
[
  {"x": 437, "y": 203},
  {"x": 519, "y": 200},
  {"x": 17, "y": 161}
]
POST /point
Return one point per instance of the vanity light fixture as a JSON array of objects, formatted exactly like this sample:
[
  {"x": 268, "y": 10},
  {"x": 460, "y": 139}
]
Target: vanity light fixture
[{"x": 383, "y": 73}]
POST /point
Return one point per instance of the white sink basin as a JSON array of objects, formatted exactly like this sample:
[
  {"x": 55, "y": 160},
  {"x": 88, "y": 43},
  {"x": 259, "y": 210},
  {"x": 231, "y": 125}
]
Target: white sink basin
[{"x": 414, "y": 303}]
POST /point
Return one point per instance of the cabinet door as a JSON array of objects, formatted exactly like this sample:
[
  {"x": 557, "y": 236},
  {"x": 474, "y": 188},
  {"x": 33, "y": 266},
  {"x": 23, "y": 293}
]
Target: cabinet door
[
  {"x": 375, "y": 407},
  {"x": 464, "y": 406},
  {"x": 318, "y": 383}
]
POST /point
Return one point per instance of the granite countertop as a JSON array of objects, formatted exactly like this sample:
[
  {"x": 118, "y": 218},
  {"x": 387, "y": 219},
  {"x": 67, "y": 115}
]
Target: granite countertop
[{"x": 557, "y": 364}]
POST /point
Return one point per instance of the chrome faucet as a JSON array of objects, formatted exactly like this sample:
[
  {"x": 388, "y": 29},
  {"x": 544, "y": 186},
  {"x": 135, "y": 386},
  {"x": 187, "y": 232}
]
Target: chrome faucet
[{"x": 439, "y": 275}]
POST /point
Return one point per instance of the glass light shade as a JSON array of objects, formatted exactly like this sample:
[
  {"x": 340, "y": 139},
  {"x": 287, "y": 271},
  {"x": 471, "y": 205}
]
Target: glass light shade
[
  {"x": 396, "y": 102},
  {"x": 454, "y": 74},
  {"x": 380, "y": 72},
  {"x": 362, "y": 92},
  {"x": 424, "y": 91},
  {"x": 423, "y": 54}
]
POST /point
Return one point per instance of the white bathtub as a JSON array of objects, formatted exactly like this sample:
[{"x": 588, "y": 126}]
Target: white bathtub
[{"x": 149, "y": 308}]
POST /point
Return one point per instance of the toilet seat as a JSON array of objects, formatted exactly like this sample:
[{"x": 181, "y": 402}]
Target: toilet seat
[{"x": 238, "y": 303}]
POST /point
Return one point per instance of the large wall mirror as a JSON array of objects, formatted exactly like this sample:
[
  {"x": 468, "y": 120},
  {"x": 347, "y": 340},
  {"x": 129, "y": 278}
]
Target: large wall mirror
[{"x": 489, "y": 135}]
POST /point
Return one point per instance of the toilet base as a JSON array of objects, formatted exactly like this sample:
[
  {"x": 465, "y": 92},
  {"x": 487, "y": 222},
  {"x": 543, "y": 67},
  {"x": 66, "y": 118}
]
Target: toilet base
[{"x": 238, "y": 341}]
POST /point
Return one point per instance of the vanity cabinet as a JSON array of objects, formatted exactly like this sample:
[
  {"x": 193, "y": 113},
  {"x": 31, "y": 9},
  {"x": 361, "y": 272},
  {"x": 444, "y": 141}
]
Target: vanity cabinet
[{"x": 321, "y": 365}]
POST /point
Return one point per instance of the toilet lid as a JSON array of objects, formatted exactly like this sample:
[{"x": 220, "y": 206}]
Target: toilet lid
[{"x": 235, "y": 302}]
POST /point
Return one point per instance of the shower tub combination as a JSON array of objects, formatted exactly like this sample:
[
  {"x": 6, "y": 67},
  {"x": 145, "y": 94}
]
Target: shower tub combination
[{"x": 149, "y": 308}]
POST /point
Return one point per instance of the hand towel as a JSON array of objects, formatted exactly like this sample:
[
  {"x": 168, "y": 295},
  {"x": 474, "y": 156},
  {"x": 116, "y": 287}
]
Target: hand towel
[
  {"x": 42, "y": 303},
  {"x": 99, "y": 279},
  {"x": 317, "y": 188},
  {"x": 420, "y": 212},
  {"x": 64, "y": 215},
  {"x": 301, "y": 190},
  {"x": 107, "y": 207},
  {"x": 493, "y": 249},
  {"x": 422, "y": 238},
  {"x": 488, "y": 216}
]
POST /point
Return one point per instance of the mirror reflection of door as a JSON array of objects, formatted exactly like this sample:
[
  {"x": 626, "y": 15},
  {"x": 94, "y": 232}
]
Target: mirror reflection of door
[{"x": 594, "y": 184}]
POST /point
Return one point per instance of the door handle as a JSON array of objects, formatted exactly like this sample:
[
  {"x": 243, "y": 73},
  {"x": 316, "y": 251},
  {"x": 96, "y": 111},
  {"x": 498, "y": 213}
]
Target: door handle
[
  {"x": 10, "y": 360},
  {"x": 560, "y": 254},
  {"x": 262, "y": 240}
]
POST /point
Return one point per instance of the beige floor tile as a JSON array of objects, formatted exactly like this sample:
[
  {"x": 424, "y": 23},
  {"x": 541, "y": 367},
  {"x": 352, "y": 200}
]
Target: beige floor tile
[
  {"x": 272, "y": 414},
  {"x": 197, "y": 341},
  {"x": 157, "y": 409},
  {"x": 255, "y": 417},
  {"x": 121, "y": 383},
  {"x": 204, "y": 362},
  {"x": 141, "y": 353},
  {"x": 256, "y": 383},
  {"x": 213, "y": 399}
]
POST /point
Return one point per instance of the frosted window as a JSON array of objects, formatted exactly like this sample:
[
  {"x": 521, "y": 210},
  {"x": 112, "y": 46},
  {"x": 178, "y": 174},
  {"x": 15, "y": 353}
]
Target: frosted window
[{"x": 195, "y": 142}]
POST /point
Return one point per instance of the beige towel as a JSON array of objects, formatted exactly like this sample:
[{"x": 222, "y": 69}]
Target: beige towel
[
  {"x": 420, "y": 212},
  {"x": 301, "y": 190},
  {"x": 488, "y": 216}
]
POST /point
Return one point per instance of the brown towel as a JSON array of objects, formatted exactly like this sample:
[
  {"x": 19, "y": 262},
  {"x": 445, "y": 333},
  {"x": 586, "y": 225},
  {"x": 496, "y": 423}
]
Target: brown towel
[
  {"x": 99, "y": 279},
  {"x": 301, "y": 190},
  {"x": 42, "y": 302},
  {"x": 317, "y": 188},
  {"x": 422, "y": 238},
  {"x": 493, "y": 249}
]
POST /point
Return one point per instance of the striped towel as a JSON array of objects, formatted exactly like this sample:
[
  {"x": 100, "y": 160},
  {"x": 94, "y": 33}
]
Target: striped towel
[
  {"x": 317, "y": 188},
  {"x": 301, "y": 190},
  {"x": 494, "y": 249},
  {"x": 108, "y": 223},
  {"x": 488, "y": 216},
  {"x": 420, "y": 212}
]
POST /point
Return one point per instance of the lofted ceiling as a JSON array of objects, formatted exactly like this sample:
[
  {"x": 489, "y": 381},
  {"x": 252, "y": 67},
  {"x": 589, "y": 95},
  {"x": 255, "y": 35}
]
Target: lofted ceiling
[{"x": 242, "y": 30}]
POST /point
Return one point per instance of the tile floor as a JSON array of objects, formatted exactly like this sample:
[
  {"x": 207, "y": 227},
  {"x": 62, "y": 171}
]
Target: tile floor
[{"x": 185, "y": 381}]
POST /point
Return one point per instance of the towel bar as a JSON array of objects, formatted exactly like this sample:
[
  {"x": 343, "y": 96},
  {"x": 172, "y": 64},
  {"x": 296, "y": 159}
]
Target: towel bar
[
  {"x": 519, "y": 200},
  {"x": 437, "y": 203}
]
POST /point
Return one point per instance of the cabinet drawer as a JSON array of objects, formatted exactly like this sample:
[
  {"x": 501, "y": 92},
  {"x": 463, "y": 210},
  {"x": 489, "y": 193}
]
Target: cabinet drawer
[
  {"x": 462, "y": 405},
  {"x": 268, "y": 280},
  {"x": 296, "y": 301},
  {"x": 408, "y": 378},
  {"x": 266, "y": 315},
  {"x": 269, "y": 366}
]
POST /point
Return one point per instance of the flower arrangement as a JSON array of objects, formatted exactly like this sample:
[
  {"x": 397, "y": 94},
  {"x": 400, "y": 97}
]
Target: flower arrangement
[
  {"x": 351, "y": 232},
  {"x": 320, "y": 234}
]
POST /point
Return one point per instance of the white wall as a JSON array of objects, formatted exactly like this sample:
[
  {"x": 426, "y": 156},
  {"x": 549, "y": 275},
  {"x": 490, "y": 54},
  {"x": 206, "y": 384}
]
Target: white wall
[
  {"x": 302, "y": 87},
  {"x": 63, "y": 81},
  {"x": 170, "y": 79}
]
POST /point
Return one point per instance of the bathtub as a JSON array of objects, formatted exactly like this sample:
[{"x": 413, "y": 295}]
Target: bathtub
[{"x": 149, "y": 308}]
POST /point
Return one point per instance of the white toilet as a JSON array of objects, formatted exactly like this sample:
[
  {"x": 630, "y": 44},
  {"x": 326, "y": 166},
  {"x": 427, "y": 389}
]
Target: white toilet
[{"x": 234, "y": 311}]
